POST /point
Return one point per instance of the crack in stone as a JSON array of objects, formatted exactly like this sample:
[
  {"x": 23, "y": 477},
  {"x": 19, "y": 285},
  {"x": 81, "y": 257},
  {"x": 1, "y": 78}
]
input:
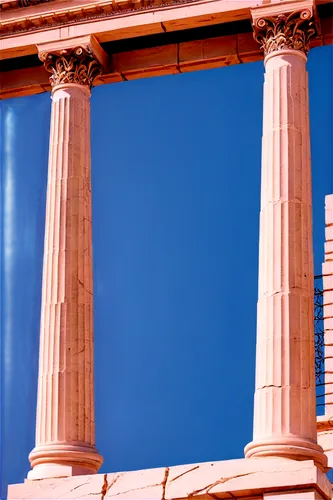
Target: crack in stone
[
  {"x": 219, "y": 481},
  {"x": 135, "y": 489},
  {"x": 271, "y": 385},
  {"x": 104, "y": 487},
  {"x": 80, "y": 485},
  {"x": 183, "y": 473},
  {"x": 113, "y": 481},
  {"x": 84, "y": 288},
  {"x": 164, "y": 482}
]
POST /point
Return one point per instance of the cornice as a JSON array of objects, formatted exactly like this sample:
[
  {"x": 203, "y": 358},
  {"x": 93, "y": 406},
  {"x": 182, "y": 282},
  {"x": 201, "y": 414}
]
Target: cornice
[
  {"x": 42, "y": 15},
  {"x": 73, "y": 15}
]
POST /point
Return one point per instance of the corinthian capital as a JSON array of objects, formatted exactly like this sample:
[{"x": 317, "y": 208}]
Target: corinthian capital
[
  {"x": 292, "y": 29},
  {"x": 79, "y": 63}
]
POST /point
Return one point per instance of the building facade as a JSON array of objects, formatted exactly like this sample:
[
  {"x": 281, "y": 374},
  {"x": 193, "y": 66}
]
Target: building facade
[{"x": 292, "y": 449}]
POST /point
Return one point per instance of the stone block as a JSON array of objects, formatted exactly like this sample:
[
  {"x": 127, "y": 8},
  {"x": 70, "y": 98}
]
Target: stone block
[{"x": 244, "y": 478}]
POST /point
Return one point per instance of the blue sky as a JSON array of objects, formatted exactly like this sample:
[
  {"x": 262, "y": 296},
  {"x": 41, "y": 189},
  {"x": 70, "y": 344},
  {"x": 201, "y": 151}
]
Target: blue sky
[{"x": 176, "y": 187}]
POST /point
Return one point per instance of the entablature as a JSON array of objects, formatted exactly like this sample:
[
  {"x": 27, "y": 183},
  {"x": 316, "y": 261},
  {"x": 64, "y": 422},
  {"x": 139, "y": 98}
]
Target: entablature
[{"x": 142, "y": 38}]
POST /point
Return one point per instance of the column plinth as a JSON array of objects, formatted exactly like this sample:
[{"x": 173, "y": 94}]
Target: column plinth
[
  {"x": 65, "y": 424},
  {"x": 285, "y": 401}
]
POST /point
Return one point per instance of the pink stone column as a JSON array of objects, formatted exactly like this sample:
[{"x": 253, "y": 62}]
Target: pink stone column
[
  {"x": 65, "y": 427},
  {"x": 285, "y": 404}
]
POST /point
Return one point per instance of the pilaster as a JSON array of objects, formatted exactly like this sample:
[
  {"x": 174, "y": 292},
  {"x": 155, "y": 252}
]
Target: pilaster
[
  {"x": 285, "y": 405},
  {"x": 65, "y": 424},
  {"x": 328, "y": 305},
  {"x": 325, "y": 422}
]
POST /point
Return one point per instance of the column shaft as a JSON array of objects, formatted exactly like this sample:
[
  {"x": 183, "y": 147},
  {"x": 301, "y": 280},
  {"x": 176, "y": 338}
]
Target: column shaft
[
  {"x": 285, "y": 317},
  {"x": 285, "y": 407},
  {"x": 65, "y": 428}
]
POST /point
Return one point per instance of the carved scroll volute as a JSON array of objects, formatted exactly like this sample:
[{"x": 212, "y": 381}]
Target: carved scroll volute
[
  {"x": 293, "y": 30},
  {"x": 75, "y": 65}
]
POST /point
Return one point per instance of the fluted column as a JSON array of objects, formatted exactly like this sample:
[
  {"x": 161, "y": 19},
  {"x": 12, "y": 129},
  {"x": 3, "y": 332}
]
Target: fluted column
[
  {"x": 65, "y": 424},
  {"x": 285, "y": 405}
]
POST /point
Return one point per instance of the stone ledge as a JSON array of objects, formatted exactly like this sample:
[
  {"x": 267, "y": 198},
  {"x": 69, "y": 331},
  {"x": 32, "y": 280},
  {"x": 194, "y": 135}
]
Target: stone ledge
[
  {"x": 325, "y": 435},
  {"x": 242, "y": 479}
]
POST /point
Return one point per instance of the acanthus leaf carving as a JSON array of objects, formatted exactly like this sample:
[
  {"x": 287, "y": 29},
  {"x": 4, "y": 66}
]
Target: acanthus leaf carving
[
  {"x": 285, "y": 31},
  {"x": 76, "y": 65}
]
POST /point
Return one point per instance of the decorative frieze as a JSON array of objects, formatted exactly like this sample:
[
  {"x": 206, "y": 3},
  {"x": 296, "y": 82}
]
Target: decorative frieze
[
  {"x": 14, "y": 4},
  {"x": 28, "y": 3},
  {"x": 72, "y": 14},
  {"x": 75, "y": 65}
]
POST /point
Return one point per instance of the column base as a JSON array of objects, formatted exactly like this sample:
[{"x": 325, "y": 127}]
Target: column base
[
  {"x": 61, "y": 460},
  {"x": 288, "y": 447}
]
